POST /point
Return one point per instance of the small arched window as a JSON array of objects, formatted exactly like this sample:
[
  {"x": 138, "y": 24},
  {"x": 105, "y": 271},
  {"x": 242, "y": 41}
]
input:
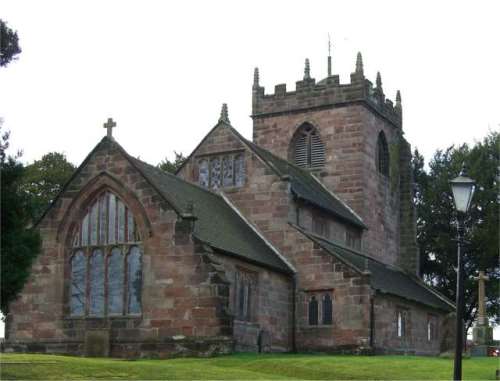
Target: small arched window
[
  {"x": 382, "y": 156},
  {"x": 307, "y": 149},
  {"x": 106, "y": 261},
  {"x": 313, "y": 311},
  {"x": 401, "y": 323},
  {"x": 327, "y": 309}
]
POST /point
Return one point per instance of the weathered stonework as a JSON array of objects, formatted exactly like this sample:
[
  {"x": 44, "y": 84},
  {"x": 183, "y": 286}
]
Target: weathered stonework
[{"x": 199, "y": 299}]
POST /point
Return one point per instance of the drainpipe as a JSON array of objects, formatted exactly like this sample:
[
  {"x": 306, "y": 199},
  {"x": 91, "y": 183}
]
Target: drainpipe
[
  {"x": 294, "y": 312},
  {"x": 372, "y": 322}
]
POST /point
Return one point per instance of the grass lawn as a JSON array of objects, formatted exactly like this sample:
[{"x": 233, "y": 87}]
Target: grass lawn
[{"x": 244, "y": 367}]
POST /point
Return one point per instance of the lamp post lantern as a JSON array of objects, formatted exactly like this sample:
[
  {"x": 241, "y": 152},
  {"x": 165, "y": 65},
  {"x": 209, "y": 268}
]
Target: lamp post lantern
[{"x": 463, "y": 189}]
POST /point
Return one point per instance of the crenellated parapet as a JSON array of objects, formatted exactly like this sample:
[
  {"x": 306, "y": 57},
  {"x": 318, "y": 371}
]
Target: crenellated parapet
[{"x": 327, "y": 93}]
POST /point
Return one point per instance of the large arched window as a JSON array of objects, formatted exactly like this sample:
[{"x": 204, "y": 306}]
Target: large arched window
[
  {"x": 382, "y": 156},
  {"x": 307, "y": 149},
  {"x": 106, "y": 261}
]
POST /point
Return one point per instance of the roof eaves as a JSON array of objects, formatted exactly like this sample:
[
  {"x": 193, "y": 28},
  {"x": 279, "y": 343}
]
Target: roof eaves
[{"x": 434, "y": 292}]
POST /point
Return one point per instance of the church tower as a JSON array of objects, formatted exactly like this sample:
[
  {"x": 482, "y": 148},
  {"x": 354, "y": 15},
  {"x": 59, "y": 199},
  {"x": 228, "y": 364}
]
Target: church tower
[{"x": 350, "y": 136}]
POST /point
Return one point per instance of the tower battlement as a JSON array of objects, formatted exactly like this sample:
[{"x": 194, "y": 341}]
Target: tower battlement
[{"x": 327, "y": 93}]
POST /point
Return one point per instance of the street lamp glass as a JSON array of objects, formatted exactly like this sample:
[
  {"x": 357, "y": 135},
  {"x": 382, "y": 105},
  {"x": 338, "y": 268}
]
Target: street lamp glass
[{"x": 463, "y": 189}]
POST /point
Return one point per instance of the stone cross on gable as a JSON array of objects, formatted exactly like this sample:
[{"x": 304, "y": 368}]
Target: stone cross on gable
[
  {"x": 481, "y": 299},
  {"x": 109, "y": 126}
]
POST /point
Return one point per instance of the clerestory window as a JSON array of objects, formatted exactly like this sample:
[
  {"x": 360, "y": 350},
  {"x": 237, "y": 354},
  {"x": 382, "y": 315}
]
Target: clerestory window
[
  {"x": 222, "y": 171},
  {"x": 106, "y": 261},
  {"x": 307, "y": 148}
]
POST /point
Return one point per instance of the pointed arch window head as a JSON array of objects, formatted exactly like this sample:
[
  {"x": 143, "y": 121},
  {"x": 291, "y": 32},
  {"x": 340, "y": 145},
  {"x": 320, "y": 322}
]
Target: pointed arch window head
[
  {"x": 307, "y": 148},
  {"x": 106, "y": 261},
  {"x": 382, "y": 156}
]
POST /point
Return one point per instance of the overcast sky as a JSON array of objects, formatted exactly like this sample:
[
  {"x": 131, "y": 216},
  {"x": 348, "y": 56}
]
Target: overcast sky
[{"x": 162, "y": 69}]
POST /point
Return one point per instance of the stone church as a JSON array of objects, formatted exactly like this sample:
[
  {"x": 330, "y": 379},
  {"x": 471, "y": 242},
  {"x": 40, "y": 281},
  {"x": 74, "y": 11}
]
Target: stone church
[{"x": 301, "y": 239}]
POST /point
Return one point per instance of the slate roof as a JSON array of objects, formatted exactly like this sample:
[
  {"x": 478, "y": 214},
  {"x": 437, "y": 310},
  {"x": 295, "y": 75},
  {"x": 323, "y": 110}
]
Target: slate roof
[
  {"x": 384, "y": 278},
  {"x": 305, "y": 186},
  {"x": 217, "y": 224}
]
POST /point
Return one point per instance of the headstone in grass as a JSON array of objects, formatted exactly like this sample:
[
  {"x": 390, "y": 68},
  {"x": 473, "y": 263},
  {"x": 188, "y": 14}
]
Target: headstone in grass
[{"x": 97, "y": 343}]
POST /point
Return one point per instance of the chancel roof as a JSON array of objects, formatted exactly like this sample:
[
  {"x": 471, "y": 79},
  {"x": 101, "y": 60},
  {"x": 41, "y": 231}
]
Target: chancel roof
[{"x": 384, "y": 278}]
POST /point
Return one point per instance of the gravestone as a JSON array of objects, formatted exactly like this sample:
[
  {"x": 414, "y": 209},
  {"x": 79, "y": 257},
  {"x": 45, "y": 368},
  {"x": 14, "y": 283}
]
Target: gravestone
[{"x": 97, "y": 343}]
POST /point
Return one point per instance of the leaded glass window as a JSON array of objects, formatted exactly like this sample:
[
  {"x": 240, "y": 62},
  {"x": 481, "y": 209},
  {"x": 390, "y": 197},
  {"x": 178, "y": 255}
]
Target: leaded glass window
[
  {"x": 78, "y": 283},
  {"x": 227, "y": 171},
  {"x": 327, "y": 309},
  {"x": 96, "y": 274},
  {"x": 203, "y": 176},
  {"x": 134, "y": 275},
  {"x": 222, "y": 171},
  {"x": 239, "y": 170},
  {"x": 116, "y": 278},
  {"x": 103, "y": 275},
  {"x": 215, "y": 173},
  {"x": 313, "y": 311}
]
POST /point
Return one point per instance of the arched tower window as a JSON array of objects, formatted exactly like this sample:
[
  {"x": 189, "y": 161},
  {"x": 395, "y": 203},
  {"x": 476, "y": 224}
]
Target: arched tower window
[
  {"x": 382, "y": 156},
  {"x": 106, "y": 261},
  {"x": 307, "y": 149}
]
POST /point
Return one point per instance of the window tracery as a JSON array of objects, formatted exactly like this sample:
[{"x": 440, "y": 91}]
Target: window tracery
[
  {"x": 106, "y": 265},
  {"x": 222, "y": 171}
]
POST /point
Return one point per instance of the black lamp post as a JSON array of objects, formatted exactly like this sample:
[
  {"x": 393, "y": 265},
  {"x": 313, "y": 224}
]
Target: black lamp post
[{"x": 463, "y": 189}]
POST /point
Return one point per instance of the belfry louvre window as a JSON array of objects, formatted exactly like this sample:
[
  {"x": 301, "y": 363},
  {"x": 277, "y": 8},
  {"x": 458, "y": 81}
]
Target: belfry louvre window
[
  {"x": 308, "y": 151},
  {"x": 222, "y": 171},
  {"x": 106, "y": 261},
  {"x": 382, "y": 156}
]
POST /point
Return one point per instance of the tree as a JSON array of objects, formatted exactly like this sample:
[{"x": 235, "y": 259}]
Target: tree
[
  {"x": 44, "y": 179},
  {"x": 19, "y": 243},
  {"x": 172, "y": 166},
  {"x": 436, "y": 222},
  {"x": 9, "y": 44}
]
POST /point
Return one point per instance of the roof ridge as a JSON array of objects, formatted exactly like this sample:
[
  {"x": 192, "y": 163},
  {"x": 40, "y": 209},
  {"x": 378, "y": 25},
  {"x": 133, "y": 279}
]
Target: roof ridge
[{"x": 72, "y": 177}]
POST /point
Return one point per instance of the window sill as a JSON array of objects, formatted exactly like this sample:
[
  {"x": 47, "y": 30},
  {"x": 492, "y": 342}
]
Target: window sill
[
  {"x": 246, "y": 322},
  {"x": 318, "y": 326}
]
